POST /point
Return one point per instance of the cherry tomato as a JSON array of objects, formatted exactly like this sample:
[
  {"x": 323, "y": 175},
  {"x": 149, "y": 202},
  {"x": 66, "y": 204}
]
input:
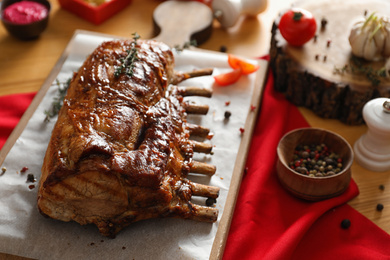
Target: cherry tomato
[
  {"x": 237, "y": 63},
  {"x": 297, "y": 26},
  {"x": 228, "y": 78}
]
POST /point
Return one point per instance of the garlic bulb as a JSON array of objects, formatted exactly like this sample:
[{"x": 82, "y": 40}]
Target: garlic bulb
[
  {"x": 387, "y": 67},
  {"x": 370, "y": 38}
]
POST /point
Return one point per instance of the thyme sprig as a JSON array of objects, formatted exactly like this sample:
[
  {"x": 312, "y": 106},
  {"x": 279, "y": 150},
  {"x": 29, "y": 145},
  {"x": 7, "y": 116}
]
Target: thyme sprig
[
  {"x": 127, "y": 63},
  {"x": 57, "y": 100},
  {"x": 185, "y": 45},
  {"x": 356, "y": 66}
]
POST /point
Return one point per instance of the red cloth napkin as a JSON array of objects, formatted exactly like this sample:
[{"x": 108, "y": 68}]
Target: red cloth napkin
[
  {"x": 268, "y": 222},
  {"x": 12, "y": 108}
]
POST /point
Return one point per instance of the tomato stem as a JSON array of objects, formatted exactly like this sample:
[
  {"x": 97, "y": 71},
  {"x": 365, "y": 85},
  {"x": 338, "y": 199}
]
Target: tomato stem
[{"x": 297, "y": 16}]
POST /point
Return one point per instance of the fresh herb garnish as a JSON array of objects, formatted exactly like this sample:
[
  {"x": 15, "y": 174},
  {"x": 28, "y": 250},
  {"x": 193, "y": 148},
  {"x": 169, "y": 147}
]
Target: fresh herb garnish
[
  {"x": 356, "y": 66},
  {"x": 58, "y": 100},
  {"x": 186, "y": 45},
  {"x": 342, "y": 70},
  {"x": 371, "y": 74},
  {"x": 127, "y": 64}
]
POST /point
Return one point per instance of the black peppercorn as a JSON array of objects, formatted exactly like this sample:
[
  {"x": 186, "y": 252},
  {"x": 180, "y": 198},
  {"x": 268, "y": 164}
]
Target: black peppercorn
[
  {"x": 345, "y": 223},
  {"x": 324, "y": 22},
  {"x": 305, "y": 154},
  {"x": 223, "y": 48},
  {"x": 30, "y": 178},
  {"x": 227, "y": 114},
  {"x": 382, "y": 187},
  {"x": 379, "y": 207}
]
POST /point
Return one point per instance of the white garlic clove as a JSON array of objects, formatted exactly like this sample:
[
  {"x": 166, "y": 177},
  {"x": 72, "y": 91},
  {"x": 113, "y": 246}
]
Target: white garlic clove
[
  {"x": 355, "y": 30},
  {"x": 370, "y": 49},
  {"x": 357, "y": 40},
  {"x": 387, "y": 67},
  {"x": 379, "y": 39},
  {"x": 386, "y": 47}
]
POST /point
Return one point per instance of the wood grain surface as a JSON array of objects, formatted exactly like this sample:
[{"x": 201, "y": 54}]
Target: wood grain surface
[{"x": 24, "y": 67}]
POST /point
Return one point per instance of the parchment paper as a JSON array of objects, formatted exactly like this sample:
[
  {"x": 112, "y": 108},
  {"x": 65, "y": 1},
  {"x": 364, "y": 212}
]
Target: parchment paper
[{"x": 25, "y": 232}]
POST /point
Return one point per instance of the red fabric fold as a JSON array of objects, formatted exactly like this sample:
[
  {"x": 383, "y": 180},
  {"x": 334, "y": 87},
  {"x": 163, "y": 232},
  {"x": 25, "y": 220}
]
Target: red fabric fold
[
  {"x": 12, "y": 108},
  {"x": 268, "y": 222}
]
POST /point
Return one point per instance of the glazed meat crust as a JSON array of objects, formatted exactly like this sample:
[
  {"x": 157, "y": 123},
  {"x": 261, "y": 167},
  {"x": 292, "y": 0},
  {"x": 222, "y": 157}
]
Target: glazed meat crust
[{"x": 120, "y": 150}]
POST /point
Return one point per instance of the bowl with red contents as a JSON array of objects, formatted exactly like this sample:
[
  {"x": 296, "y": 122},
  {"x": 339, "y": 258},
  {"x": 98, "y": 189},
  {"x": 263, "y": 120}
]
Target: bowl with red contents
[
  {"x": 25, "y": 19},
  {"x": 314, "y": 164}
]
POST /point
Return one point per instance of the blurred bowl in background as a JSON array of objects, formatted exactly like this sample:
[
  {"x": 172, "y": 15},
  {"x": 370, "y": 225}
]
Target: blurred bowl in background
[
  {"x": 21, "y": 29},
  {"x": 98, "y": 13}
]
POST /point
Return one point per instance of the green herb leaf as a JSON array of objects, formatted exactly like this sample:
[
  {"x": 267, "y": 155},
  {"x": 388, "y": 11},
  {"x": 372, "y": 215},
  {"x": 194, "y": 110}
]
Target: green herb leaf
[
  {"x": 356, "y": 66},
  {"x": 127, "y": 64},
  {"x": 57, "y": 100},
  {"x": 185, "y": 45}
]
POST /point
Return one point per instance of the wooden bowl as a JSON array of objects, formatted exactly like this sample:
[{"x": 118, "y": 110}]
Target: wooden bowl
[{"x": 307, "y": 187}]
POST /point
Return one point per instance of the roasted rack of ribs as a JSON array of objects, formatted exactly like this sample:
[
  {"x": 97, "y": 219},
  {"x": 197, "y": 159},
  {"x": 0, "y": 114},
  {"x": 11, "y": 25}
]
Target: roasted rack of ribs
[{"x": 121, "y": 150}]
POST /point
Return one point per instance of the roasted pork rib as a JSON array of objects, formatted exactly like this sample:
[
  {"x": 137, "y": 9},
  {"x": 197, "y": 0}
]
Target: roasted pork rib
[{"x": 120, "y": 150}]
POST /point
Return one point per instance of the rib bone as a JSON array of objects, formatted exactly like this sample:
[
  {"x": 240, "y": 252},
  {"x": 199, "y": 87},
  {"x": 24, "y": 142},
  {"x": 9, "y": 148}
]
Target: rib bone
[
  {"x": 196, "y": 109},
  {"x": 181, "y": 76},
  {"x": 194, "y": 91},
  {"x": 204, "y": 190},
  {"x": 203, "y": 168},
  {"x": 201, "y": 147},
  {"x": 197, "y": 130},
  {"x": 204, "y": 214}
]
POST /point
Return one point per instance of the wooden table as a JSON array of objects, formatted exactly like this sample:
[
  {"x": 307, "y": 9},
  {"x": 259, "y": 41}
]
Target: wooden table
[{"x": 25, "y": 65}]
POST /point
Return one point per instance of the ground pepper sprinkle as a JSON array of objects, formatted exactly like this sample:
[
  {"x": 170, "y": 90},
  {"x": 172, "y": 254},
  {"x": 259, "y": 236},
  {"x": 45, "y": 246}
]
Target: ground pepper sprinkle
[{"x": 316, "y": 160}]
